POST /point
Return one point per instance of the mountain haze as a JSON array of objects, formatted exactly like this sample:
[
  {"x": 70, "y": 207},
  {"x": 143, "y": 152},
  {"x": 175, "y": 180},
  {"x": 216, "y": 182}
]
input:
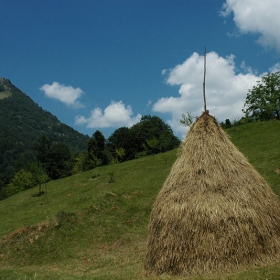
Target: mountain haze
[{"x": 22, "y": 122}]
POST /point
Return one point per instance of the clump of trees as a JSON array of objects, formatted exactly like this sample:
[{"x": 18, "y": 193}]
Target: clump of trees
[
  {"x": 150, "y": 136},
  {"x": 54, "y": 159},
  {"x": 33, "y": 175}
]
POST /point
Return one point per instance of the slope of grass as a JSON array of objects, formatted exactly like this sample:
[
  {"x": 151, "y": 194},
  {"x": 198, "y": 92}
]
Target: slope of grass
[
  {"x": 259, "y": 142},
  {"x": 88, "y": 227}
]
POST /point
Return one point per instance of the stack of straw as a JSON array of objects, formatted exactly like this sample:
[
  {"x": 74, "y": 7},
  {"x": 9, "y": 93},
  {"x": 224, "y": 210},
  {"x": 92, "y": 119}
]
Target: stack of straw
[{"x": 215, "y": 213}]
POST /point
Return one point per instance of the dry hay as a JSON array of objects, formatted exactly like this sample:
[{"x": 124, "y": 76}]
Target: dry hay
[{"x": 215, "y": 213}]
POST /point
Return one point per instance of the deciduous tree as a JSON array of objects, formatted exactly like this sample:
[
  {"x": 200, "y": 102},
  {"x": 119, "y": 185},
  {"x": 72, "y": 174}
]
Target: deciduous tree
[{"x": 263, "y": 100}]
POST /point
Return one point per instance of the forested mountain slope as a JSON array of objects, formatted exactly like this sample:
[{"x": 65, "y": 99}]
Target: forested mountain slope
[{"x": 22, "y": 121}]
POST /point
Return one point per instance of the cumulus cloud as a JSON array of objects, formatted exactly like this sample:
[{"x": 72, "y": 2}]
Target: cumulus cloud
[
  {"x": 225, "y": 89},
  {"x": 115, "y": 115},
  {"x": 258, "y": 17},
  {"x": 66, "y": 94},
  {"x": 275, "y": 68}
]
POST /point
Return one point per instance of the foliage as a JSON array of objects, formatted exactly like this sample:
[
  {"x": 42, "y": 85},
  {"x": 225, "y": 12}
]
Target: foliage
[
  {"x": 150, "y": 136},
  {"x": 23, "y": 180},
  {"x": 120, "y": 153},
  {"x": 55, "y": 158},
  {"x": 59, "y": 162},
  {"x": 186, "y": 120},
  {"x": 39, "y": 175},
  {"x": 97, "y": 153},
  {"x": 42, "y": 148},
  {"x": 263, "y": 100},
  {"x": 121, "y": 138},
  {"x": 22, "y": 122},
  {"x": 81, "y": 162},
  {"x": 99, "y": 142},
  {"x": 154, "y": 129}
]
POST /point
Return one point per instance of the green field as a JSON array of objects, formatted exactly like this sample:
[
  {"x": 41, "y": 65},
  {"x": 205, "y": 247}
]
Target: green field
[{"x": 94, "y": 225}]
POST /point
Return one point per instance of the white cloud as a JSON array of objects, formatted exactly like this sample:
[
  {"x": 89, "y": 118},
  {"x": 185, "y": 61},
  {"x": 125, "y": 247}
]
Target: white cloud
[
  {"x": 65, "y": 94},
  {"x": 246, "y": 68},
  {"x": 225, "y": 89},
  {"x": 256, "y": 16},
  {"x": 275, "y": 68},
  {"x": 115, "y": 115}
]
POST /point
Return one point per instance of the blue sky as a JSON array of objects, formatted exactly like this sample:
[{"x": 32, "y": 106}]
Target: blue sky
[{"x": 102, "y": 64}]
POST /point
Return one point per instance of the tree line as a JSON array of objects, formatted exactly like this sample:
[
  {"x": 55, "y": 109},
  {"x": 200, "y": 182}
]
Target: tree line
[
  {"x": 54, "y": 159},
  {"x": 150, "y": 136}
]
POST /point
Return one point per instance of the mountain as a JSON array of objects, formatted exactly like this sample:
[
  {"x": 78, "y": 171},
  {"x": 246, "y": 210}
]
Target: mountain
[{"x": 22, "y": 122}]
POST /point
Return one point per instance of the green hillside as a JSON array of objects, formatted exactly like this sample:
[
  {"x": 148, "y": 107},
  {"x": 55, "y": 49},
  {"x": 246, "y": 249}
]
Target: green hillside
[{"x": 94, "y": 225}]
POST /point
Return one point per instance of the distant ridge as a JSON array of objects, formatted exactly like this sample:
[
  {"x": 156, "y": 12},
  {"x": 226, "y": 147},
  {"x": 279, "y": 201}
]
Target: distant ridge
[{"x": 22, "y": 121}]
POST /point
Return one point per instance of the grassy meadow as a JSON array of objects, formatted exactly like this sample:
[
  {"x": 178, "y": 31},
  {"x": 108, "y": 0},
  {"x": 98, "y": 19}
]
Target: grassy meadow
[{"x": 94, "y": 225}]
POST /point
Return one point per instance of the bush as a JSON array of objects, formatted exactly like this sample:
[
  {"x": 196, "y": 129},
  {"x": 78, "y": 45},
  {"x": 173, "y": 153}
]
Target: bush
[{"x": 23, "y": 180}]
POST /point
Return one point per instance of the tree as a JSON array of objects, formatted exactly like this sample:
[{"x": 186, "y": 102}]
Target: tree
[
  {"x": 39, "y": 175},
  {"x": 42, "y": 148},
  {"x": 59, "y": 161},
  {"x": 263, "y": 100},
  {"x": 96, "y": 149},
  {"x": 120, "y": 153},
  {"x": 81, "y": 162},
  {"x": 149, "y": 135},
  {"x": 100, "y": 141},
  {"x": 55, "y": 159},
  {"x": 168, "y": 141},
  {"x": 121, "y": 139},
  {"x": 22, "y": 180},
  {"x": 96, "y": 143}
]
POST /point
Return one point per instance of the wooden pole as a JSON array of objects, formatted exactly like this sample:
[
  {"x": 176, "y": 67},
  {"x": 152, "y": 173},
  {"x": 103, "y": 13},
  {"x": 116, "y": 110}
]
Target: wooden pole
[{"x": 204, "y": 97}]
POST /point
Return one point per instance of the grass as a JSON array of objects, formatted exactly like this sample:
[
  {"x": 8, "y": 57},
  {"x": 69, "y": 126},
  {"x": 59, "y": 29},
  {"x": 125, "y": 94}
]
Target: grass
[
  {"x": 89, "y": 226},
  {"x": 259, "y": 142}
]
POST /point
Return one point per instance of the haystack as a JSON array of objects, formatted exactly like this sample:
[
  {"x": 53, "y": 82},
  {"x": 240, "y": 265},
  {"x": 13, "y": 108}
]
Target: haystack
[{"x": 215, "y": 213}]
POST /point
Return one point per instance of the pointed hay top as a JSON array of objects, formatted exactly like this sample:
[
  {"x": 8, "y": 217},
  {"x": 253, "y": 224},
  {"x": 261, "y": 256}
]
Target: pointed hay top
[{"x": 209, "y": 162}]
